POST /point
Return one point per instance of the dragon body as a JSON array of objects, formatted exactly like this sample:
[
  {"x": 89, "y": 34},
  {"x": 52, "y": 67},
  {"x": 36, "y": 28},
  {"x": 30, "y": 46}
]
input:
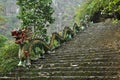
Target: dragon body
[{"x": 27, "y": 44}]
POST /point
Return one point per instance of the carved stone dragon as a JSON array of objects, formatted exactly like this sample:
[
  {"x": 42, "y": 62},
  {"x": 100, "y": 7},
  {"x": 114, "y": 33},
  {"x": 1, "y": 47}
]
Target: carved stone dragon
[{"x": 28, "y": 44}]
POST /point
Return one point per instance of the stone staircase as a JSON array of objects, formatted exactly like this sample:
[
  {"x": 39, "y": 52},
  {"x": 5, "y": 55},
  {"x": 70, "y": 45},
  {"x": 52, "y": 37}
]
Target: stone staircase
[
  {"x": 72, "y": 61},
  {"x": 103, "y": 64}
]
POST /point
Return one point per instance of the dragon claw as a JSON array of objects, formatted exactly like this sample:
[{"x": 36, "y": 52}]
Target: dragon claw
[{"x": 20, "y": 63}]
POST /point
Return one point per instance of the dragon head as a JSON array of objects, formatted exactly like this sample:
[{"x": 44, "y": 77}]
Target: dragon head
[{"x": 18, "y": 35}]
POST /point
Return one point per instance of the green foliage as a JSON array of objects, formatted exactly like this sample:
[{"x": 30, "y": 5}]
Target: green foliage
[
  {"x": 114, "y": 21},
  {"x": 36, "y": 13},
  {"x": 55, "y": 43},
  {"x": 8, "y": 57},
  {"x": 89, "y": 7},
  {"x": 2, "y": 40},
  {"x": 112, "y": 8}
]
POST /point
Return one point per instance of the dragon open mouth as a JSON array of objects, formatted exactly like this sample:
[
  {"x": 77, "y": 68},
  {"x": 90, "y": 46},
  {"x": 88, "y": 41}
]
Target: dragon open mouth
[{"x": 17, "y": 35}]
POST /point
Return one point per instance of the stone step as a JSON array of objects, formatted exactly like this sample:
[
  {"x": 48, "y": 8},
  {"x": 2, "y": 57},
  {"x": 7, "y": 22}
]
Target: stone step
[
  {"x": 68, "y": 64},
  {"x": 47, "y": 61},
  {"x": 62, "y": 78},
  {"x": 82, "y": 55},
  {"x": 74, "y": 68},
  {"x": 64, "y": 73},
  {"x": 83, "y": 73},
  {"x": 86, "y": 51},
  {"x": 97, "y": 59},
  {"x": 79, "y": 53},
  {"x": 80, "y": 68}
]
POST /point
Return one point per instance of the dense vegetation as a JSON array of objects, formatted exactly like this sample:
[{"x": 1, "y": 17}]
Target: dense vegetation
[
  {"x": 98, "y": 10},
  {"x": 36, "y": 14},
  {"x": 8, "y": 56}
]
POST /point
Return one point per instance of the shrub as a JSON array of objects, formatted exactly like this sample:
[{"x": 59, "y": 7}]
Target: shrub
[
  {"x": 106, "y": 7},
  {"x": 8, "y": 56}
]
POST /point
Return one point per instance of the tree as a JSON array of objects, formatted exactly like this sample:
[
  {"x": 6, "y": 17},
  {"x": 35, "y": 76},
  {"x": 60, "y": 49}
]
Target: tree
[{"x": 36, "y": 14}]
